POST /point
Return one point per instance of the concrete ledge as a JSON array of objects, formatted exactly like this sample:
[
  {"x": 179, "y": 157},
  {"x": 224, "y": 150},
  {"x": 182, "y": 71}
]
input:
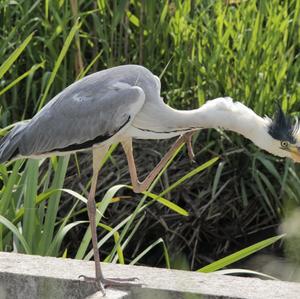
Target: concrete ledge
[{"x": 35, "y": 277}]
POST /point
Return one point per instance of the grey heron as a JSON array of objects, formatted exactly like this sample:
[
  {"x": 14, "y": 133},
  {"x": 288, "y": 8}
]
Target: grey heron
[{"x": 122, "y": 103}]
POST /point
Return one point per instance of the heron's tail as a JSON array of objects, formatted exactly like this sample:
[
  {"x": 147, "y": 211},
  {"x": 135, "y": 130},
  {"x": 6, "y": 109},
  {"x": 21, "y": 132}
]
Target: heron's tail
[{"x": 9, "y": 145}]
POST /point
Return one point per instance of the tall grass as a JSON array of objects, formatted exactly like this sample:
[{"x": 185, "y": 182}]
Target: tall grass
[{"x": 203, "y": 49}]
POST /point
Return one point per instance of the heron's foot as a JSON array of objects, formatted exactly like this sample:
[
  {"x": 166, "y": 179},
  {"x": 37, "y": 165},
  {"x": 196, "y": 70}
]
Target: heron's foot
[
  {"x": 104, "y": 283},
  {"x": 98, "y": 283}
]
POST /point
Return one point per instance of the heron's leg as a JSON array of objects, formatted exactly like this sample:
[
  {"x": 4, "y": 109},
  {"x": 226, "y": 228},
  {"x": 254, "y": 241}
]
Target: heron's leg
[
  {"x": 101, "y": 281},
  {"x": 188, "y": 137},
  {"x": 142, "y": 186},
  {"x": 98, "y": 155}
]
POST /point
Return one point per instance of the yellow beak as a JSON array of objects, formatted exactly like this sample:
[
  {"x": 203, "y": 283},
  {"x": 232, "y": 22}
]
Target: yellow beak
[{"x": 295, "y": 153}]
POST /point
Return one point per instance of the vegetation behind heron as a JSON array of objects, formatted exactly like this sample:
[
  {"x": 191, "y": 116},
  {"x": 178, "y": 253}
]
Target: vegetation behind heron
[{"x": 201, "y": 49}]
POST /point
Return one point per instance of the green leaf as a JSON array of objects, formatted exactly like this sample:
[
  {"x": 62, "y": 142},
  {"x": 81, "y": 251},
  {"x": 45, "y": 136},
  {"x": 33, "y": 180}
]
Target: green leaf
[
  {"x": 53, "y": 205},
  {"x": 16, "y": 232},
  {"x": 85, "y": 70},
  {"x": 172, "y": 206},
  {"x": 126, "y": 241},
  {"x": 30, "y": 192},
  {"x": 8, "y": 190},
  {"x": 26, "y": 74},
  {"x": 230, "y": 259},
  {"x": 217, "y": 179},
  {"x": 133, "y": 19},
  {"x": 190, "y": 174},
  {"x": 14, "y": 56},
  {"x": 60, "y": 236},
  {"x": 59, "y": 60},
  {"x": 116, "y": 239},
  {"x": 150, "y": 247}
]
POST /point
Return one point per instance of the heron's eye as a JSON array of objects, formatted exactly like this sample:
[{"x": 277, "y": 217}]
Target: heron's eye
[{"x": 284, "y": 144}]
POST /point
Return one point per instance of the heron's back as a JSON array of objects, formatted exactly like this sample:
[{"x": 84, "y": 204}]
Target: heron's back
[{"x": 88, "y": 111}]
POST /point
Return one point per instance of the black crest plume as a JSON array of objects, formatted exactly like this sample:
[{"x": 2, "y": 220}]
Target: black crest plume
[{"x": 281, "y": 127}]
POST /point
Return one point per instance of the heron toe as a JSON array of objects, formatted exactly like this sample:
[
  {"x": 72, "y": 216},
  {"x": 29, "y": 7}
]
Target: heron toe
[{"x": 112, "y": 282}]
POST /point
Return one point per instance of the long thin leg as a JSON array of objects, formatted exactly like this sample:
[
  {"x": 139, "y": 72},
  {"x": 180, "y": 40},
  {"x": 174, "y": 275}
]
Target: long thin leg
[
  {"x": 101, "y": 282},
  {"x": 98, "y": 155},
  {"x": 189, "y": 146},
  {"x": 142, "y": 186}
]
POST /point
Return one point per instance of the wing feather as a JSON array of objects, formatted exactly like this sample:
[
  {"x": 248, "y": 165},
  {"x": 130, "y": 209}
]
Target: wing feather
[{"x": 86, "y": 111}]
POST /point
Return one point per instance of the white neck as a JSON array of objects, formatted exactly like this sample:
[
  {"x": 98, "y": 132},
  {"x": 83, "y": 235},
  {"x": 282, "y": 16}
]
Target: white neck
[
  {"x": 160, "y": 121},
  {"x": 229, "y": 115}
]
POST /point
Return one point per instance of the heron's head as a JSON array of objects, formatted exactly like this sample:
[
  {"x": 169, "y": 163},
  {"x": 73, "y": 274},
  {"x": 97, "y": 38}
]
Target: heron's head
[{"x": 285, "y": 135}]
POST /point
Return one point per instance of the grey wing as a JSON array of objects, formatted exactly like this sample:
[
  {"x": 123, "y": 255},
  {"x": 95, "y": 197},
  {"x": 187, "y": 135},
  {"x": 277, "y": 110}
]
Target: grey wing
[{"x": 81, "y": 116}]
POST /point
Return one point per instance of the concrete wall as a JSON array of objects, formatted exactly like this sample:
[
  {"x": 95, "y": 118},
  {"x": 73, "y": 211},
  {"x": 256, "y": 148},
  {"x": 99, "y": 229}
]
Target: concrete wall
[{"x": 35, "y": 277}]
